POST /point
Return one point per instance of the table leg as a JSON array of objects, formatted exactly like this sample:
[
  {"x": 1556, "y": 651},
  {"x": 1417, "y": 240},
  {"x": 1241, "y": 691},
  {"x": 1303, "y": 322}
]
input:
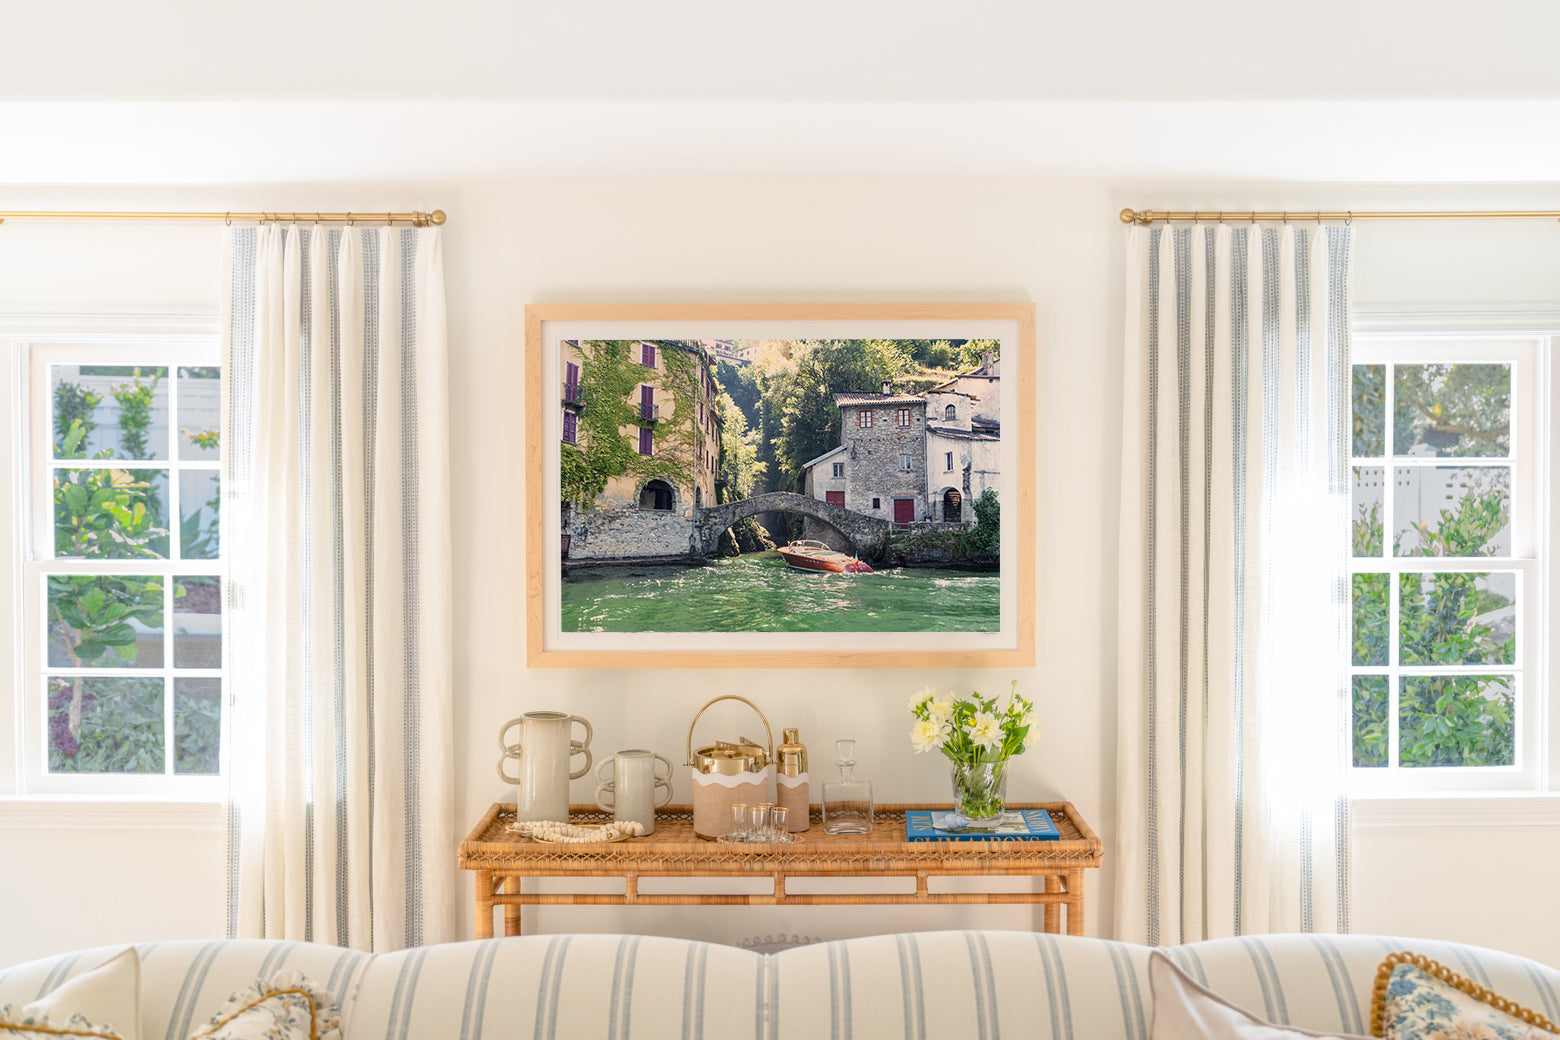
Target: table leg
[
  {"x": 1075, "y": 903},
  {"x": 1053, "y": 911},
  {"x": 511, "y": 910},
  {"x": 484, "y": 904}
]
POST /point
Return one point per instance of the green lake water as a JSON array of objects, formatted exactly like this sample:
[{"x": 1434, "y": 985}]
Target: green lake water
[{"x": 759, "y": 593}]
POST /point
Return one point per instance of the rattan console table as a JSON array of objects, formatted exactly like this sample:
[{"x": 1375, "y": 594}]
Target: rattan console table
[{"x": 500, "y": 859}]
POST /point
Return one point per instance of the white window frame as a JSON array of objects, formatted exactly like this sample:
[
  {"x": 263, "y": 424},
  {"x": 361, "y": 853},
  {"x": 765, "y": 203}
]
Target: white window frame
[
  {"x": 1533, "y": 469},
  {"x": 30, "y": 522}
]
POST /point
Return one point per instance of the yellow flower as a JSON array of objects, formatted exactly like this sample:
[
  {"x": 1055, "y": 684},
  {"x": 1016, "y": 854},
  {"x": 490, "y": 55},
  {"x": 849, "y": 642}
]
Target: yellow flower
[
  {"x": 921, "y": 696},
  {"x": 940, "y": 710}
]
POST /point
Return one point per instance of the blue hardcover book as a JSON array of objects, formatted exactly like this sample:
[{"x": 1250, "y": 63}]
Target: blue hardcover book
[{"x": 1015, "y": 825}]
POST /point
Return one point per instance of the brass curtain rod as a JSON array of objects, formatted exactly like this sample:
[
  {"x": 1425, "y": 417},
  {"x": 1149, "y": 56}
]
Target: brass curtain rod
[
  {"x": 1144, "y": 217},
  {"x": 414, "y": 218}
]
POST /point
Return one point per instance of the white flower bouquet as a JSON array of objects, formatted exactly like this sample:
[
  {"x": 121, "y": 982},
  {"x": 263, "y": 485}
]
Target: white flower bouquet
[
  {"x": 978, "y": 736},
  {"x": 973, "y": 729}
]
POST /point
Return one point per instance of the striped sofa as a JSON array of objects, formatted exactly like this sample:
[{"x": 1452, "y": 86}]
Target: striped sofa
[{"x": 916, "y": 985}]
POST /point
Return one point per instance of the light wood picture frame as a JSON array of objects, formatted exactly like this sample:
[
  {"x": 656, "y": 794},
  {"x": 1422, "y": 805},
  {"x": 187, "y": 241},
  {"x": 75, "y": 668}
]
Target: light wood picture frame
[{"x": 654, "y": 374}]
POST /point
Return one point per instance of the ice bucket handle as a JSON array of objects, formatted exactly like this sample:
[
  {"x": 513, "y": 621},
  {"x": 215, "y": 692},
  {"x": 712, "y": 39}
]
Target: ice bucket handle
[{"x": 730, "y": 697}]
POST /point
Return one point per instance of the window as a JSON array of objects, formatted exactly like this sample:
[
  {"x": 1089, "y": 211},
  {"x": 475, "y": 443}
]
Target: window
[
  {"x": 948, "y": 461},
  {"x": 877, "y": 503},
  {"x": 864, "y": 418},
  {"x": 901, "y": 417},
  {"x": 904, "y": 463},
  {"x": 123, "y": 583},
  {"x": 1448, "y": 591},
  {"x": 571, "y": 383},
  {"x": 839, "y": 469},
  {"x": 646, "y": 442},
  {"x": 571, "y": 423},
  {"x": 950, "y": 413},
  {"x": 647, "y": 355}
]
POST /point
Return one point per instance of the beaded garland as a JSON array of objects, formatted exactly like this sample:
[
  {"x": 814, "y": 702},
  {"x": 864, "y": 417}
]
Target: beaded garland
[{"x": 569, "y": 833}]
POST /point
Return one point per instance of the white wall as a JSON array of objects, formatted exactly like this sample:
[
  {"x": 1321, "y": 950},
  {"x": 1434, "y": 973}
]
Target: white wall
[{"x": 513, "y": 243}]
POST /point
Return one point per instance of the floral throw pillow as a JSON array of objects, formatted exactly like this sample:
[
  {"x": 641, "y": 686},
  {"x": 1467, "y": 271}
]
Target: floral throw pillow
[
  {"x": 103, "y": 1002},
  {"x": 1417, "y": 999},
  {"x": 15, "y": 1024},
  {"x": 288, "y": 1007}
]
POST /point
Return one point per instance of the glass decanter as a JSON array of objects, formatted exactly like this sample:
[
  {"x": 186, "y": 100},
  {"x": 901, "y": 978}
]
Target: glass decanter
[{"x": 847, "y": 801}]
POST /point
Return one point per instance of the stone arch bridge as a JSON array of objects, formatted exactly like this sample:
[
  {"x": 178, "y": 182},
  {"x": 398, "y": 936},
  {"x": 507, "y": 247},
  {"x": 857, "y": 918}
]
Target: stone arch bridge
[{"x": 869, "y": 534}]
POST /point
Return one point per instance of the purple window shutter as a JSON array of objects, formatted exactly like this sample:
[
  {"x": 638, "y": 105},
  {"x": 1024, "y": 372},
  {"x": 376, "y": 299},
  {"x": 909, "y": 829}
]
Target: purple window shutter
[
  {"x": 570, "y": 427},
  {"x": 646, "y": 444},
  {"x": 647, "y": 402},
  {"x": 649, "y": 355}
]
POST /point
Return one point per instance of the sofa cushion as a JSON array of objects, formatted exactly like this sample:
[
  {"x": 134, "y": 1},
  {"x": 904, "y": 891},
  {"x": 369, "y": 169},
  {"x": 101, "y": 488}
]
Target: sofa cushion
[
  {"x": 1183, "y": 1010},
  {"x": 107, "y": 995},
  {"x": 564, "y": 986}
]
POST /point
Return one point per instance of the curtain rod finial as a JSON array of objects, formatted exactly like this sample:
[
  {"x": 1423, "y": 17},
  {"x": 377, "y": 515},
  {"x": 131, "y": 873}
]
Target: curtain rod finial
[
  {"x": 434, "y": 219},
  {"x": 1128, "y": 216}
]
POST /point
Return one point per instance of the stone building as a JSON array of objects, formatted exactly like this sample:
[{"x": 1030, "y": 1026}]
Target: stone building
[
  {"x": 910, "y": 457},
  {"x": 963, "y": 455},
  {"x": 884, "y": 441},
  {"x": 670, "y": 413}
]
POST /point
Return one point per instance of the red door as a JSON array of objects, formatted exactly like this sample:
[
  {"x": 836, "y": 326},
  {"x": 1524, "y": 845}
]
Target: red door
[
  {"x": 835, "y": 498},
  {"x": 904, "y": 510}
]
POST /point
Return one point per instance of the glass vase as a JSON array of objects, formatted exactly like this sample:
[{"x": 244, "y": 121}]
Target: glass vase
[{"x": 979, "y": 793}]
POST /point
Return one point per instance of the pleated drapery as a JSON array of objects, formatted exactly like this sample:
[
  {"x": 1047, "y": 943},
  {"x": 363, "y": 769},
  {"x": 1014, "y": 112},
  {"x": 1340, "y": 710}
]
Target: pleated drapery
[
  {"x": 1232, "y": 706},
  {"x": 336, "y": 520}
]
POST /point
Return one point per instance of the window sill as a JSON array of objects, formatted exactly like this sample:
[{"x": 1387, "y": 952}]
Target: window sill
[
  {"x": 1458, "y": 810},
  {"x": 103, "y": 814}
]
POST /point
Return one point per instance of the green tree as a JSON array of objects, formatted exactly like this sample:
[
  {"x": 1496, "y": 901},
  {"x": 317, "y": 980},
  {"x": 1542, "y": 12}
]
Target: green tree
[
  {"x": 100, "y": 513},
  {"x": 739, "y": 465},
  {"x": 986, "y": 538},
  {"x": 135, "y": 412},
  {"x": 74, "y": 406},
  {"x": 1443, "y": 720},
  {"x": 803, "y": 396},
  {"x": 1452, "y": 410}
]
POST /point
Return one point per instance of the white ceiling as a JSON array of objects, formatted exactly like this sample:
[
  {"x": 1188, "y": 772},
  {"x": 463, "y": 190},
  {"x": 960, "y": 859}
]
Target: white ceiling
[{"x": 186, "y": 91}]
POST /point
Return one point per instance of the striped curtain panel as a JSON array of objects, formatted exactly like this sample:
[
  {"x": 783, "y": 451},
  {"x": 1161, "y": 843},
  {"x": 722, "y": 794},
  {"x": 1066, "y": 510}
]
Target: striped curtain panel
[
  {"x": 336, "y": 514},
  {"x": 1233, "y": 710}
]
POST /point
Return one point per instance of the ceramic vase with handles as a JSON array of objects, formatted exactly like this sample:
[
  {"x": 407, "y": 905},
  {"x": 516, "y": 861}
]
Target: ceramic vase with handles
[
  {"x": 629, "y": 786},
  {"x": 542, "y": 753}
]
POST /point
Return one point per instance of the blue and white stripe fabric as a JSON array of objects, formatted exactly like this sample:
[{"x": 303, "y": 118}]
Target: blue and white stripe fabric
[
  {"x": 1233, "y": 712},
  {"x": 336, "y": 487},
  {"x": 916, "y": 986}
]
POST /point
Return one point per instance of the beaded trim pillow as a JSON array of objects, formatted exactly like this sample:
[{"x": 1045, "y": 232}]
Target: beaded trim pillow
[
  {"x": 1417, "y": 999},
  {"x": 288, "y": 1007}
]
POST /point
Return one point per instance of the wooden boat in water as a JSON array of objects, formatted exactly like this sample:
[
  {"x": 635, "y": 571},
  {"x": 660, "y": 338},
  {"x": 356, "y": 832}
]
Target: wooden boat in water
[{"x": 809, "y": 555}]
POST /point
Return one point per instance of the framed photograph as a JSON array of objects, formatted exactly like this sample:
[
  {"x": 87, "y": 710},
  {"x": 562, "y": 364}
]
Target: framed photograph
[{"x": 762, "y": 486}]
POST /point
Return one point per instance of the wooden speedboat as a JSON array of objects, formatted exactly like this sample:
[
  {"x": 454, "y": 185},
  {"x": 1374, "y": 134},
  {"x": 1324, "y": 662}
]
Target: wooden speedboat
[{"x": 808, "y": 555}]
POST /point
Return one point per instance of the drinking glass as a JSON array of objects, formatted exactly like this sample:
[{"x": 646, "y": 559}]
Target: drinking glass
[
  {"x": 779, "y": 823},
  {"x": 739, "y": 822},
  {"x": 759, "y": 827}
]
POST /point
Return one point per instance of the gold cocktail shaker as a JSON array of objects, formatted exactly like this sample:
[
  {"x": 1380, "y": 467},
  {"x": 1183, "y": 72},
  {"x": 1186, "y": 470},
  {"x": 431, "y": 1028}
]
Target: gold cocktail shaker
[{"x": 792, "y": 789}]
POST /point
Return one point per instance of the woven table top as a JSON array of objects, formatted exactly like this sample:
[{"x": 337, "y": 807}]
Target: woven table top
[{"x": 674, "y": 849}]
